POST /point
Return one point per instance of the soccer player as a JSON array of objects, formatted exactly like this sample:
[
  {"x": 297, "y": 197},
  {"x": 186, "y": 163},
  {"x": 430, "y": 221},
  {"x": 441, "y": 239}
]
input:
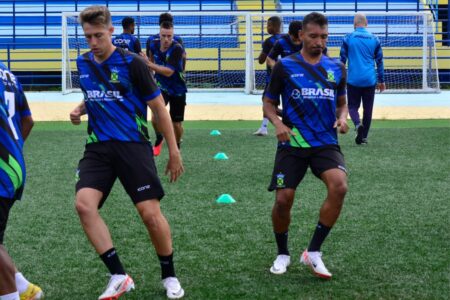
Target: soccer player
[
  {"x": 164, "y": 17},
  {"x": 312, "y": 87},
  {"x": 165, "y": 58},
  {"x": 117, "y": 87},
  {"x": 127, "y": 40},
  {"x": 362, "y": 49},
  {"x": 286, "y": 45},
  {"x": 15, "y": 126},
  {"x": 274, "y": 29}
]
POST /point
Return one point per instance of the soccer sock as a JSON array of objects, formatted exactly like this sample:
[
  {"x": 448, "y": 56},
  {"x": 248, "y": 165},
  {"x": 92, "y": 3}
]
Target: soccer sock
[
  {"x": 167, "y": 268},
  {"x": 111, "y": 260},
  {"x": 21, "y": 283},
  {"x": 319, "y": 236},
  {"x": 12, "y": 296},
  {"x": 264, "y": 123},
  {"x": 282, "y": 242},
  {"x": 159, "y": 138}
]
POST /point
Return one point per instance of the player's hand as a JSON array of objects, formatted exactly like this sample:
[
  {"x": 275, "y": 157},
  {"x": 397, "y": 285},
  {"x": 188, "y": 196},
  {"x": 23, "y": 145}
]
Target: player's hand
[
  {"x": 283, "y": 133},
  {"x": 381, "y": 87},
  {"x": 174, "y": 167},
  {"x": 143, "y": 55},
  {"x": 342, "y": 125},
  {"x": 75, "y": 116}
]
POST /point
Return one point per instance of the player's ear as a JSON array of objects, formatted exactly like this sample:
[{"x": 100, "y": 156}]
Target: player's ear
[{"x": 111, "y": 29}]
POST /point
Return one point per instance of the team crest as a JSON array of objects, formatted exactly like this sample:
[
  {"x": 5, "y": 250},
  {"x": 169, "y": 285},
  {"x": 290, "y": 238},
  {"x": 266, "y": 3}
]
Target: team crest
[
  {"x": 114, "y": 76},
  {"x": 330, "y": 76},
  {"x": 280, "y": 180}
]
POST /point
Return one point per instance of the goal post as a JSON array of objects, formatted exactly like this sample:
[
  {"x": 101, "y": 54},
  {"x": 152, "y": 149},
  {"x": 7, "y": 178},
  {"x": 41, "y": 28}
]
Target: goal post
[{"x": 222, "y": 47}]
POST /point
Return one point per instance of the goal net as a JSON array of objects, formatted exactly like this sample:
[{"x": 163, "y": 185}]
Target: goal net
[{"x": 222, "y": 47}]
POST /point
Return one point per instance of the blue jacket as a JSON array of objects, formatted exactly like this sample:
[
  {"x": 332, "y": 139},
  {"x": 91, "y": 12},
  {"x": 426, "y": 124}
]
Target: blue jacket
[{"x": 362, "y": 49}]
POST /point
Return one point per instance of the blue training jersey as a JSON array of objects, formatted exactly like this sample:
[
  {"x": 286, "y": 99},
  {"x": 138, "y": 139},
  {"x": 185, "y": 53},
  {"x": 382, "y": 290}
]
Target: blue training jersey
[
  {"x": 116, "y": 93},
  {"x": 284, "y": 47},
  {"x": 172, "y": 58},
  {"x": 127, "y": 41},
  {"x": 309, "y": 95},
  {"x": 362, "y": 49},
  {"x": 13, "y": 107},
  {"x": 267, "y": 45}
]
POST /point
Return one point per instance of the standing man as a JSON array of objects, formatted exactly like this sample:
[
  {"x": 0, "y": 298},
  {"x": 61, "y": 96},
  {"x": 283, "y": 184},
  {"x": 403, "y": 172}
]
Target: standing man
[
  {"x": 312, "y": 87},
  {"x": 274, "y": 29},
  {"x": 165, "y": 58},
  {"x": 15, "y": 126},
  {"x": 362, "y": 50},
  {"x": 127, "y": 40},
  {"x": 118, "y": 87}
]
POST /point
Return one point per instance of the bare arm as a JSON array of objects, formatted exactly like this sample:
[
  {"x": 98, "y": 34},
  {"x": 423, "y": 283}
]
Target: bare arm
[
  {"x": 262, "y": 58},
  {"x": 282, "y": 132},
  {"x": 270, "y": 62},
  {"x": 27, "y": 124},
  {"x": 341, "y": 114},
  {"x": 165, "y": 71},
  {"x": 77, "y": 112},
  {"x": 175, "y": 164}
]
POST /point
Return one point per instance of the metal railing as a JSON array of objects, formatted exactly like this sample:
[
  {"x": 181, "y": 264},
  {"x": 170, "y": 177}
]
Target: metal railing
[{"x": 41, "y": 21}]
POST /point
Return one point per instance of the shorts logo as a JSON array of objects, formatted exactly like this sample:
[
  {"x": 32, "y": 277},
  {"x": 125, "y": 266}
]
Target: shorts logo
[
  {"x": 142, "y": 188},
  {"x": 77, "y": 175},
  {"x": 280, "y": 180}
]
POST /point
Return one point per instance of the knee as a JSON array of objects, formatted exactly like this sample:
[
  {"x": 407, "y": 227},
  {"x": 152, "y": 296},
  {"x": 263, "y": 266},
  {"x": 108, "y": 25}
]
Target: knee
[
  {"x": 282, "y": 207},
  {"x": 82, "y": 208},
  {"x": 151, "y": 219},
  {"x": 339, "y": 189}
]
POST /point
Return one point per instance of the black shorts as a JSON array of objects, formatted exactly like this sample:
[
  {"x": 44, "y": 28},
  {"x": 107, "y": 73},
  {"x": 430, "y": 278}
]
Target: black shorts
[
  {"x": 131, "y": 162},
  {"x": 177, "y": 106},
  {"x": 5, "y": 207},
  {"x": 291, "y": 164}
]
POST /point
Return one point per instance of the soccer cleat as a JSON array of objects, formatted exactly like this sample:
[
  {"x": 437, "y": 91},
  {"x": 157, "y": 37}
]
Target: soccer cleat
[
  {"x": 280, "y": 264},
  {"x": 157, "y": 148},
  {"x": 33, "y": 292},
  {"x": 117, "y": 286},
  {"x": 173, "y": 288},
  {"x": 261, "y": 132},
  {"x": 359, "y": 134},
  {"x": 364, "y": 141},
  {"x": 314, "y": 261}
]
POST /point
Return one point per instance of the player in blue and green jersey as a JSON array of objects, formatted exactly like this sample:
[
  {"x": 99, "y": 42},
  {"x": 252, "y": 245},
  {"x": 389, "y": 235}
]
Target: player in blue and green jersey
[
  {"x": 312, "y": 90},
  {"x": 274, "y": 29},
  {"x": 15, "y": 126},
  {"x": 126, "y": 39},
  {"x": 166, "y": 59},
  {"x": 287, "y": 44},
  {"x": 117, "y": 87}
]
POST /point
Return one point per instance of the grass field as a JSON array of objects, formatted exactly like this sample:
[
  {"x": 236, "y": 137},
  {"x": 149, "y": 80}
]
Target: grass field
[{"x": 392, "y": 240}]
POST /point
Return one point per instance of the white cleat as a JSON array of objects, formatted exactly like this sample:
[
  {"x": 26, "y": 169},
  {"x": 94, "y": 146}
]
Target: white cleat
[
  {"x": 261, "y": 132},
  {"x": 173, "y": 288},
  {"x": 117, "y": 286},
  {"x": 280, "y": 264},
  {"x": 314, "y": 261}
]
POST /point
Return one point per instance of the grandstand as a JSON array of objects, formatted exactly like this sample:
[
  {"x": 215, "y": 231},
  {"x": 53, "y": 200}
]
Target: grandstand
[{"x": 30, "y": 34}]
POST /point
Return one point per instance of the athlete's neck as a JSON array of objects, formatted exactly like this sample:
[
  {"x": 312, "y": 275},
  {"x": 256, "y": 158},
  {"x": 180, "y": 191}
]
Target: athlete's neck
[
  {"x": 104, "y": 56},
  {"x": 310, "y": 59}
]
